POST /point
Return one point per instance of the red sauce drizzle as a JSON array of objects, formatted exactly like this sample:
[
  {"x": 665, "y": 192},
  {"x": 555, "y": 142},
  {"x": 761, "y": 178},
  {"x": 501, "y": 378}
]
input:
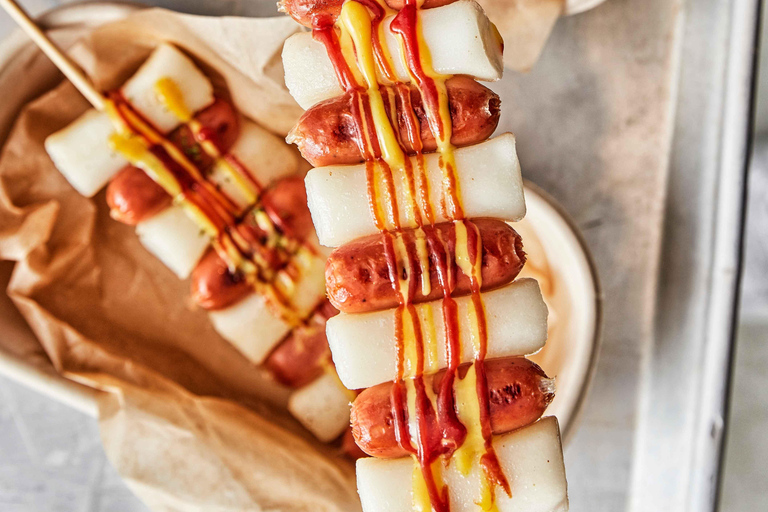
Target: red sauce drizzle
[
  {"x": 405, "y": 24},
  {"x": 440, "y": 432},
  {"x": 325, "y": 32},
  {"x": 489, "y": 460},
  {"x": 429, "y": 438},
  {"x": 234, "y": 232}
]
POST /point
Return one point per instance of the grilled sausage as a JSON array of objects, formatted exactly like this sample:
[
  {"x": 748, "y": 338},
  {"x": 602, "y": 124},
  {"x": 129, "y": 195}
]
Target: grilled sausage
[
  {"x": 327, "y": 134},
  {"x": 133, "y": 196},
  {"x": 214, "y": 286},
  {"x": 518, "y": 393},
  {"x": 349, "y": 446},
  {"x": 312, "y": 12},
  {"x": 358, "y": 277},
  {"x": 286, "y": 204}
]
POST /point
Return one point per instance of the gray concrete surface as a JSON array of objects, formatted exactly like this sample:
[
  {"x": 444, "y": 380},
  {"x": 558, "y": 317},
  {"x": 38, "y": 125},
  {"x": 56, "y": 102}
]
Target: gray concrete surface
[{"x": 51, "y": 458}]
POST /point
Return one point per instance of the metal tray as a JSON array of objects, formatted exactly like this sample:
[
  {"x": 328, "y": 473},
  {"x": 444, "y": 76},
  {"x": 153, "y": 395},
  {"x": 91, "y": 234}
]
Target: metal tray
[{"x": 637, "y": 120}]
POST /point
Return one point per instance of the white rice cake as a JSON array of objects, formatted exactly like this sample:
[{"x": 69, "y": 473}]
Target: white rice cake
[
  {"x": 81, "y": 152},
  {"x": 474, "y": 48},
  {"x": 489, "y": 179},
  {"x": 251, "y": 326},
  {"x": 364, "y": 349},
  {"x": 531, "y": 458},
  {"x": 310, "y": 288},
  {"x": 263, "y": 154},
  {"x": 167, "y": 61},
  {"x": 322, "y": 407},
  {"x": 175, "y": 239}
]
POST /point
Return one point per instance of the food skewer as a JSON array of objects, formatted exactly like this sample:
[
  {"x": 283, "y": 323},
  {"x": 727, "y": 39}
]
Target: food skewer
[
  {"x": 406, "y": 204},
  {"x": 248, "y": 235},
  {"x": 136, "y": 196}
]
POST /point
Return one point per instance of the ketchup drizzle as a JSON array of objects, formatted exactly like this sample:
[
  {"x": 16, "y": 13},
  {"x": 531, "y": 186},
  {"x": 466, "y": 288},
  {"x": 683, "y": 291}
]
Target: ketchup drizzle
[
  {"x": 405, "y": 24},
  {"x": 232, "y": 231},
  {"x": 439, "y": 430}
]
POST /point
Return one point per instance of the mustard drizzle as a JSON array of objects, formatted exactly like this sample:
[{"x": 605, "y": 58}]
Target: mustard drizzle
[
  {"x": 354, "y": 25},
  {"x": 134, "y": 139}
]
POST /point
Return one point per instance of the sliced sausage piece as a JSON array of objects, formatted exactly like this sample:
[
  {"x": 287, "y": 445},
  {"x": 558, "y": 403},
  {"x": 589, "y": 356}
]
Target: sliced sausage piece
[
  {"x": 312, "y": 12},
  {"x": 133, "y": 196},
  {"x": 349, "y": 446},
  {"x": 518, "y": 393},
  {"x": 221, "y": 124},
  {"x": 327, "y": 133},
  {"x": 286, "y": 204},
  {"x": 301, "y": 357},
  {"x": 214, "y": 286},
  {"x": 358, "y": 279}
]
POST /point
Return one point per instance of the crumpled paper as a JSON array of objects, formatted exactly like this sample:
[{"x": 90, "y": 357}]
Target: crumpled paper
[
  {"x": 525, "y": 26},
  {"x": 186, "y": 420}
]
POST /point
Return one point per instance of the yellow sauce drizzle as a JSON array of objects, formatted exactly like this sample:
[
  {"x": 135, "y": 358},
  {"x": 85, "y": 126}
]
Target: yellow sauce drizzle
[
  {"x": 356, "y": 43},
  {"x": 348, "y": 52},
  {"x": 410, "y": 351},
  {"x": 441, "y": 125},
  {"x": 429, "y": 332},
  {"x": 423, "y": 320},
  {"x": 357, "y": 23},
  {"x": 171, "y": 96},
  {"x": 469, "y": 453},
  {"x": 386, "y": 69},
  {"x": 135, "y": 150},
  {"x": 423, "y": 255},
  {"x": 420, "y": 494},
  {"x": 135, "y": 147},
  {"x": 404, "y": 273},
  {"x": 462, "y": 249},
  {"x": 421, "y": 501},
  {"x": 411, "y": 213},
  {"x": 472, "y": 271}
]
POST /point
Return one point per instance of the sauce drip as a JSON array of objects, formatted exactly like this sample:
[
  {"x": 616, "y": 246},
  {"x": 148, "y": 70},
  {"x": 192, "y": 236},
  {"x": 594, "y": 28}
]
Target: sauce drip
[
  {"x": 455, "y": 420},
  {"x": 172, "y": 97}
]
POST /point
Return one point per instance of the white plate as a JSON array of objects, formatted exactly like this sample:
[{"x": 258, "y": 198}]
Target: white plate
[{"x": 558, "y": 258}]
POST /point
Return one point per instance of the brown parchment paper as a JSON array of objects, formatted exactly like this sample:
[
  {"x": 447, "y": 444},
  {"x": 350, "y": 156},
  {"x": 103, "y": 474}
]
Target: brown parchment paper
[
  {"x": 186, "y": 419},
  {"x": 525, "y": 26}
]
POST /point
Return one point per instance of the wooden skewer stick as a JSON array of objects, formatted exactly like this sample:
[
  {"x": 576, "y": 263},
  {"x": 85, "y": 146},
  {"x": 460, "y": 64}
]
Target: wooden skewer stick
[{"x": 60, "y": 60}]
